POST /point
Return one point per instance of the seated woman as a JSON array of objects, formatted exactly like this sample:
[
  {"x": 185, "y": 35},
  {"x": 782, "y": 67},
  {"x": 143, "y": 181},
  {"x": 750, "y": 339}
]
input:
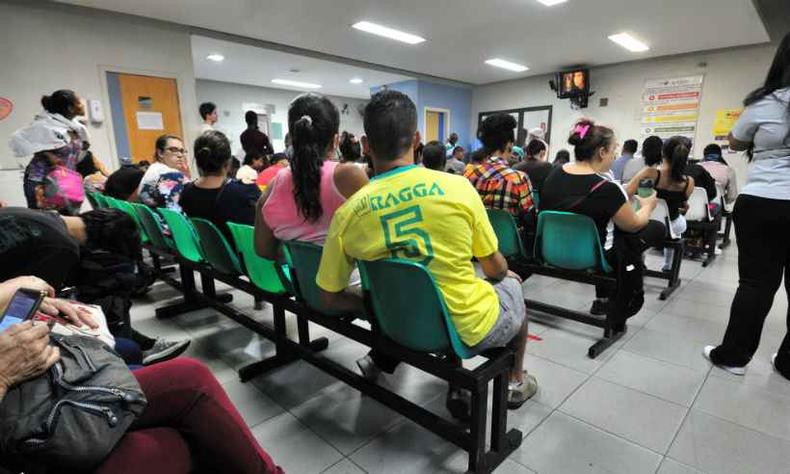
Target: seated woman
[
  {"x": 189, "y": 424},
  {"x": 95, "y": 252},
  {"x": 164, "y": 180},
  {"x": 651, "y": 157},
  {"x": 671, "y": 185},
  {"x": 579, "y": 187},
  {"x": 535, "y": 165},
  {"x": 300, "y": 201},
  {"x": 214, "y": 196},
  {"x": 716, "y": 166}
]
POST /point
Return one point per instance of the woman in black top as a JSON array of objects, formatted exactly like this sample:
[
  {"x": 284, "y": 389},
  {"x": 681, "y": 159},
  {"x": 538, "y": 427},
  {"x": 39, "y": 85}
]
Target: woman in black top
[
  {"x": 214, "y": 196},
  {"x": 579, "y": 187},
  {"x": 671, "y": 185}
]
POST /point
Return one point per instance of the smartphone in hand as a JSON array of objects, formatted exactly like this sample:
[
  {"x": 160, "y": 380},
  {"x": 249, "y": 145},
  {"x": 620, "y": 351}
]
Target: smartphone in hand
[{"x": 23, "y": 306}]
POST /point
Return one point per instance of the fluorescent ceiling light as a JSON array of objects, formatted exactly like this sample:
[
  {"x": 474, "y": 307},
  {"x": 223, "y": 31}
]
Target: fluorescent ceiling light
[
  {"x": 216, "y": 57},
  {"x": 390, "y": 33},
  {"x": 496, "y": 62},
  {"x": 356, "y": 80},
  {"x": 300, "y": 85},
  {"x": 551, "y": 3},
  {"x": 629, "y": 42}
]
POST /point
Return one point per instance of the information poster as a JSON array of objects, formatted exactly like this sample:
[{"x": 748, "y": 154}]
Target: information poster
[
  {"x": 725, "y": 121},
  {"x": 671, "y": 106}
]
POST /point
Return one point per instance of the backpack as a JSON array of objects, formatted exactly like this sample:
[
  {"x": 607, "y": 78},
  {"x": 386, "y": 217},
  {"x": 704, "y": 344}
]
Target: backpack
[
  {"x": 63, "y": 189},
  {"x": 73, "y": 415}
]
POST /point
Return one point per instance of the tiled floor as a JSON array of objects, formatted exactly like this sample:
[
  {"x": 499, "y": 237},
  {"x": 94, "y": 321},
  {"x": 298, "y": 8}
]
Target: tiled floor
[{"x": 649, "y": 404}]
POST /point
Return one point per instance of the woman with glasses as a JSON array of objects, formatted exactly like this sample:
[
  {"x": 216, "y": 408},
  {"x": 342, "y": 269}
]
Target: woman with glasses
[{"x": 164, "y": 180}]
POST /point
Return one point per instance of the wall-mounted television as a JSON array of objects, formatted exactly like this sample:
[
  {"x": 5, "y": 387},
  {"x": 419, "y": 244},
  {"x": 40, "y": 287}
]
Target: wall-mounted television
[{"x": 573, "y": 83}]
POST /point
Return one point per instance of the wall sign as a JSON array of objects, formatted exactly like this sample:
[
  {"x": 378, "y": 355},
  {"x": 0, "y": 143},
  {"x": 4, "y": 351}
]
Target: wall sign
[
  {"x": 671, "y": 106},
  {"x": 6, "y": 106}
]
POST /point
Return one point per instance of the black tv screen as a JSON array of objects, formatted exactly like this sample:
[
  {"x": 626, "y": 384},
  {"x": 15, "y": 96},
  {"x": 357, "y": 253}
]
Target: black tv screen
[{"x": 573, "y": 83}]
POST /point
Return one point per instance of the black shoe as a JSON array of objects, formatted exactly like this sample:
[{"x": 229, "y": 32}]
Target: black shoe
[
  {"x": 459, "y": 403},
  {"x": 599, "y": 307}
]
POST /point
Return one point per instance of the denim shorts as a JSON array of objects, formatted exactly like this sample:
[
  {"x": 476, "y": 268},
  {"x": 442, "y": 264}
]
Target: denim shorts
[{"x": 512, "y": 314}]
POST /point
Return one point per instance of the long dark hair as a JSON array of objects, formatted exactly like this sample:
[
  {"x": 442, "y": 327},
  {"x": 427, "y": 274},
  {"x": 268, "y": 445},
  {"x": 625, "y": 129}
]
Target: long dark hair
[
  {"x": 676, "y": 151},
  {"x": 313, "y": 122},
  {"x": 778, "y": 77}
]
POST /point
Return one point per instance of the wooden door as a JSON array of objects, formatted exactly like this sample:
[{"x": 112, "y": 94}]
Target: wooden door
[
  {"x": 150, "y": 108},
  {"x": 431, "y": 126}
]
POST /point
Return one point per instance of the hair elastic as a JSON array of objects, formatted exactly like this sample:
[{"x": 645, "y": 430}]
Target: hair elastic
[{"x": 582, "y": 130}]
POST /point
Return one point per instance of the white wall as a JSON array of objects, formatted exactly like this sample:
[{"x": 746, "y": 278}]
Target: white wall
[
  {"x": 729, "y": 76},
  {"x": 230, "y": 97},
  {"x": 49, "y": 47}
]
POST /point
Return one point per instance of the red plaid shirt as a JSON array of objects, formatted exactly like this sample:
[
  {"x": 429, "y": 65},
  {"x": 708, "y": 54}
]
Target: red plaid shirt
[{"x": 501, "y": 187}]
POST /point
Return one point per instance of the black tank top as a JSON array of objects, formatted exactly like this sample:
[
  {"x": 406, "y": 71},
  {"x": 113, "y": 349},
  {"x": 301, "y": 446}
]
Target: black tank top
[{"x": 674, "y": 199}]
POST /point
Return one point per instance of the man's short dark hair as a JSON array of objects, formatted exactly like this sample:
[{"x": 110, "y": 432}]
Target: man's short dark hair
[
  {"x": 207, "y": 108},
  {"x": 390, "y": 123},
  {"x": 250, "y": 117},
  {"x": 712, "y": 149},
  {"x": 434, "y": 155},
  {"x": 496, "y": 131},
  {"x": 630, "y": 146}
]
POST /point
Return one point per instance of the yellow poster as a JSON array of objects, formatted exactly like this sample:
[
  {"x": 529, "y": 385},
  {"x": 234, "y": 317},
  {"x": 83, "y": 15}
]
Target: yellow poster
[{"x": 725, "y": 121}]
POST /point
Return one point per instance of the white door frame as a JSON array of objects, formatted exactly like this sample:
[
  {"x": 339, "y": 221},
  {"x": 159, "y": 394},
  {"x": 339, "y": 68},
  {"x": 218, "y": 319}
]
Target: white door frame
[{"x": 446, "y": 113}]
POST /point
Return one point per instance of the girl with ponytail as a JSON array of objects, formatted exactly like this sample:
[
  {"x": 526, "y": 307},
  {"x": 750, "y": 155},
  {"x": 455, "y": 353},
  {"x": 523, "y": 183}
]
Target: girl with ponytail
[
  {"x": 300, "y": 201},
  {"x": 671, "y": 184}
]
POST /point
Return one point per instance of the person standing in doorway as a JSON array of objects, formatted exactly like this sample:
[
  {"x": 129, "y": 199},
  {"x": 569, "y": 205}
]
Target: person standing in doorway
[
  {"x": 253, "y": 140},
  {"x": 208, "y": 112},
  {"x": 762, "y": 219}
]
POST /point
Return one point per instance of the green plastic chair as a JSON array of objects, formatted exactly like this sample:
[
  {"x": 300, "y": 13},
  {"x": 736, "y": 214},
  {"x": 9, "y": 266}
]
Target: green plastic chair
[
  {"x": 504, "y": 225},
  {"x": 112, "y": 203},
  {"x": 153, "y": 227},
  {"x": 264, "y": 273},
  {"x": 303, "y": 260},
  {"x": 91, "y": 195},
  {"x": 570, "y": 241},
  {"x": 184, "y": 236},
  {"x": 127, "y": 207},
  {"x": 409, "y": 308},
  {"x": 101, "y": 200},
  {"x": 218, "y": 253}
]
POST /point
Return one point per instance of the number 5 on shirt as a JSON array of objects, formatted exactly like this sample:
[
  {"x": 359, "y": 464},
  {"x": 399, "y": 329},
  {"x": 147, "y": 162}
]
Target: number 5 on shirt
[{"x": 403, "y": 233}]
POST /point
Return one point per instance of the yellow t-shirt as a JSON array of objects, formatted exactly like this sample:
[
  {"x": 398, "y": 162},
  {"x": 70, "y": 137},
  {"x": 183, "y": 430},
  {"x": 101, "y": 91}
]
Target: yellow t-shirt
[{"x": 423, "y": 215}]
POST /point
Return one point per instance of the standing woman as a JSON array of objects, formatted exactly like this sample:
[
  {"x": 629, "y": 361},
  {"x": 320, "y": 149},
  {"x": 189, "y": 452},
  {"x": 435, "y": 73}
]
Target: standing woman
[
  {"x": 54, "y": 138},
  {"x": 762, "y": 219}
]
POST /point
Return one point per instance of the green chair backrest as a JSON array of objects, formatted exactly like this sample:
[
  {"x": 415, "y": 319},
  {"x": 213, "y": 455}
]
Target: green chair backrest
[
  {"x": 112, "y": 203},
  {"x": 409, "y": 308},
  {"x": 504, "y": 225},
  {"x": 264, "y": 273},
  {"x": 153, "y": 228},
  {"x": 536, "y": 198},
  {"x": 570, "y": 241},
  {"x": 91, "y": 195},
  {"x": 101, "y": 200},
  {"x": 126, "y": 207},
  {"x": 219, "y": 254},
  {"x": 184, "y": 236},
  {"x": 303, "y": 260}
]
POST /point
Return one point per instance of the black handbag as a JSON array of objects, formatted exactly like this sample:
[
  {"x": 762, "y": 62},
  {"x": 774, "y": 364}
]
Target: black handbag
[{"x": 71, "y": 417}]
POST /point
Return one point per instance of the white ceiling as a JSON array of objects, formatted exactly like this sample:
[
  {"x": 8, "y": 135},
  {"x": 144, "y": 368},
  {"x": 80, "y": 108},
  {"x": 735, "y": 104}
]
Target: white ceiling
[
  {"x": 256, "y": 66},
  {"x": 463, "y": 33}
]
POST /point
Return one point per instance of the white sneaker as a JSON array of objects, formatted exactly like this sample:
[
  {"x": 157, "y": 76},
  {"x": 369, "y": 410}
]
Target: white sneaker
[
  {"x": 164, "y": 350},
  {"x": 733, "y": 370},
  {"x": 716, "y": 251},
  {"x": 773, "y": 360}
]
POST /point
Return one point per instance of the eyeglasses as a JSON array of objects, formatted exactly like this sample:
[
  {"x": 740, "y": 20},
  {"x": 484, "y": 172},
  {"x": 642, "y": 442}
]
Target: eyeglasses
[{"x": 176, "y": 150}]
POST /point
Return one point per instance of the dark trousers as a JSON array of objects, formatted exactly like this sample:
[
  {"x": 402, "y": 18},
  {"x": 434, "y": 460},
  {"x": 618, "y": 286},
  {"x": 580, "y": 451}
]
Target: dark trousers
[
  {"x": 762, "y": 227},
  {"x": 189, "y": 425},
  {"x": 625, "y": 257}
]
